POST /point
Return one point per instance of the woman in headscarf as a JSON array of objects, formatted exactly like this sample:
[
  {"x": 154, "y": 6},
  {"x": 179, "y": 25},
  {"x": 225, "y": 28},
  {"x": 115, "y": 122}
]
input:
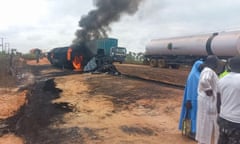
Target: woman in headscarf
[{"x": 189, "y": 103}]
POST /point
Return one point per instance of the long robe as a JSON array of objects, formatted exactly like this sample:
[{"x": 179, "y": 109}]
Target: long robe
[
  {"x": 207, "y": 109},
  {"x": 190, "y": 93}
]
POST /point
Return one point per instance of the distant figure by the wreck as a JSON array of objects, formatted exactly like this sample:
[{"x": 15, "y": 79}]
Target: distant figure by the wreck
[{"x": 37, "y": 52}]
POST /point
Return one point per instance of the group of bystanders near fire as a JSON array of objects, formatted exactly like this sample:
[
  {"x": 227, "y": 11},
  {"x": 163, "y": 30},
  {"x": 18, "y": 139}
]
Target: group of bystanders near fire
[{"x": 211, "y": 102}]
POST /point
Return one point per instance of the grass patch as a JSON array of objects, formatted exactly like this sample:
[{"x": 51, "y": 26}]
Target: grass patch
[{"x": 29, "y": 56}]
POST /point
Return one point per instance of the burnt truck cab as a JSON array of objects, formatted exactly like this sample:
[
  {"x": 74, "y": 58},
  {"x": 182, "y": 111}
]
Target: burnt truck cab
[{"x": 118, "y": 54}]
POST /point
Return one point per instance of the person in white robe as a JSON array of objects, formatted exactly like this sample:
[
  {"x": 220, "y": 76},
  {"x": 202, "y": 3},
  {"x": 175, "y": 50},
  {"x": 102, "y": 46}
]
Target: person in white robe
[{"x": 207, "y": 127}]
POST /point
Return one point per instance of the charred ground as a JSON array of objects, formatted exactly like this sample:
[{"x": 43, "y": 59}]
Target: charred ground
[{"x": 67, "y": 107}]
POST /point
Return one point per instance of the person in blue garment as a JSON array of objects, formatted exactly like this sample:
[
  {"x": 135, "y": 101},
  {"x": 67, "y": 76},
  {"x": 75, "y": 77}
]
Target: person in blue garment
[{"x": 189, "y": 103}]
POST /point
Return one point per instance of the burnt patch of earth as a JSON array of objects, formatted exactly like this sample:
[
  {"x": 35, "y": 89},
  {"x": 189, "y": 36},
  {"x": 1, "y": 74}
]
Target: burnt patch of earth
[
  {"x": 40, "y": 111},
  {"x": 103, "y": 109},
  {"x": 124, "y": 92},
  {"x": 64, "y": 106},
  {"x": 133, "y": 130},
  {"x": 50, "y": 85}
]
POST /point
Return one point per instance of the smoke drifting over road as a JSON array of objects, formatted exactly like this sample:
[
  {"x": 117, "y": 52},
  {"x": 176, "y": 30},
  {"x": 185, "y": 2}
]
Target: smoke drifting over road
[{"x": 96, "y": 24}]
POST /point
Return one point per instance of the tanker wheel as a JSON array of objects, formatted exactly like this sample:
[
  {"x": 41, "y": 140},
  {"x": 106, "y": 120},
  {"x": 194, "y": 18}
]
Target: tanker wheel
[
  {"x": 154, "y": 62},
  {"x": 174, "y": 66},
  {"x": 146, "y": 62},
  {"x": 161, "y": 63}
]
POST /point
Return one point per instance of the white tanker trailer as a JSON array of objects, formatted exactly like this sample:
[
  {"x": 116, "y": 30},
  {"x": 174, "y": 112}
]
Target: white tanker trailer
[{"x": 185, "y": 50}]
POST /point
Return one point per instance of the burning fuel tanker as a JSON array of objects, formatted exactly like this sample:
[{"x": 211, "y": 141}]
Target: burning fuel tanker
[
  {"x": 78, "y": 56},
  {"x": 185, "y": 50},
  {"x": 73, "y": 57}
]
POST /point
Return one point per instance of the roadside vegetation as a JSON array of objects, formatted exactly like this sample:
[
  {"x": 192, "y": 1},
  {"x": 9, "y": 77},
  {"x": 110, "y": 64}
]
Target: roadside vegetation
[
  {"x": 134, "y": 58},
  {"x": 29, "y": 56},
  {"x": 6, "y": 79}
]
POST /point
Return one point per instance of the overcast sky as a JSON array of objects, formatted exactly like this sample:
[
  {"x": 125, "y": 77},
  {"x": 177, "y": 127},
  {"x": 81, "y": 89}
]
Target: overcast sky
[{"x": 46, "y": 24}]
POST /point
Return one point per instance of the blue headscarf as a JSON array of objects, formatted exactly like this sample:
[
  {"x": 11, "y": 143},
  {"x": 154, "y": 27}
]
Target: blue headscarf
[{"x": 190, "y": 94}]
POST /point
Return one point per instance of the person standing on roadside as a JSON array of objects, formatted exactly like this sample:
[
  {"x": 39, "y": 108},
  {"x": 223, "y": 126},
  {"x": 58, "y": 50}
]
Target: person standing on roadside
[
  {"x": 225, "y": 70},
  {"x": 229, "y": 106},
  {"x": 207, "y": 128},
  {"x": 189, "y": 103},
  {"x": 37, "y": 54}
]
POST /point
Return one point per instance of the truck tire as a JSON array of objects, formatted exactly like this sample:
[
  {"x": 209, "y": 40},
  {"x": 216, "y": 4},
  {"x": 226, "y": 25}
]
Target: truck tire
[
  {"x": 146, "y": 61},
  {"x": 174, "y": 66},
  {"x": 154, "y": 62},
  {"x": 161, "y": 63}
]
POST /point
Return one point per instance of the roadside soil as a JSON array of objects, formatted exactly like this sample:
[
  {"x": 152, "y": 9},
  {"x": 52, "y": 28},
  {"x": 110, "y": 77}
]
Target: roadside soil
[
  {"x": 171, "y": 76},
  {"x": 68, "y": 107}
]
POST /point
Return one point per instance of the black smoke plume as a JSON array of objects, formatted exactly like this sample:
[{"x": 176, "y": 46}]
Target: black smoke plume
[{"x": 97, "y": 22}]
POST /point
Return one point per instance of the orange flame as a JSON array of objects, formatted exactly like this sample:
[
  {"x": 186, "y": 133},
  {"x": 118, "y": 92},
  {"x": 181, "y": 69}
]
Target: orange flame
[
  {"x": 69, "y": 54},
  {"x": 77, "y": 62}
]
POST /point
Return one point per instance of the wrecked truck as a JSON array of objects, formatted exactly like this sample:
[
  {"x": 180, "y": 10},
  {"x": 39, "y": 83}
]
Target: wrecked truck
[{"x": 92, "y": 54}]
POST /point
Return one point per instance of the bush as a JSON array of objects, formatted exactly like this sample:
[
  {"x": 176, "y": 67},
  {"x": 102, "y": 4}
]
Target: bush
[
  {"x": 29, "y": 56},
  {"x": 134, "y": 58},
  {"x": 6, "y": 80}
]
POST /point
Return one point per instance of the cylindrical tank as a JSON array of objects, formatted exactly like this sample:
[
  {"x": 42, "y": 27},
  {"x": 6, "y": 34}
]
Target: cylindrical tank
[
  {"x": 58, "y": 57},
  {"x": 73, "y": 57},
  {"x": 190, "y": 45},
  {"x": 220, "y": 44},
  {"x": 226, "y": 44}
]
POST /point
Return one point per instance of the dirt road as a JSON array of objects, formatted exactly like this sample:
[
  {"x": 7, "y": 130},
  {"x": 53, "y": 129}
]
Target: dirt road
[{"x": 68, "y": 107}]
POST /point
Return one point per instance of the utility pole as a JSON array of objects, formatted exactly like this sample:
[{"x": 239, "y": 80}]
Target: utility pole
[
  {"x": 2, "y": 44},
  {"x": 7, "y": 46}
]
